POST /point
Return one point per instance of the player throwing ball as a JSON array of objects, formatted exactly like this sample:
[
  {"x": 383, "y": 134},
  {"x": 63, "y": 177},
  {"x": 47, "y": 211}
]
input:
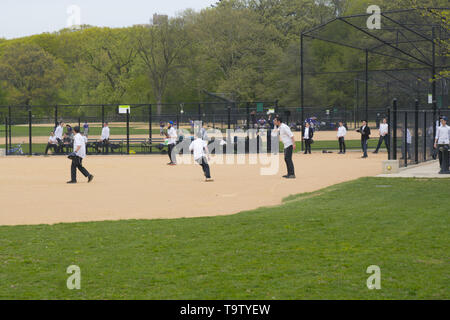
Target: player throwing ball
[
  {"x": 201, "y": 154},
  {"x": 79, "y": 153}
]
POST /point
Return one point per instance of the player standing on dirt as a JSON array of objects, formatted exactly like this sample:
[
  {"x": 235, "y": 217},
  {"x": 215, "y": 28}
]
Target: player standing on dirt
[
  {"x": 79, "y": 148},
  {"x": 172, "y": 136},
  {"x": 342, "y": 132},
  {"x": 287, "y": 137},
  {"x": 201, "y": 154}
]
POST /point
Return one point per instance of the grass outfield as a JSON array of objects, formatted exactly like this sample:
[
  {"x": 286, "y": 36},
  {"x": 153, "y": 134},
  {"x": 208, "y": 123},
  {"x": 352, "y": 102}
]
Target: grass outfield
[{"x": 314, "y": 246}]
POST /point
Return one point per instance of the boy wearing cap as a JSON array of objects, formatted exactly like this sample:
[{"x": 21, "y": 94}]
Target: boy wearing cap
[
  {"x": 172, "y": 136},
  {"x": 441, "y": 143}
]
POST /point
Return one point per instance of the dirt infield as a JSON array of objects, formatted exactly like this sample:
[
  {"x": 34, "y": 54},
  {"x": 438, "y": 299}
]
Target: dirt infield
[{"x": 33, "y": 190}]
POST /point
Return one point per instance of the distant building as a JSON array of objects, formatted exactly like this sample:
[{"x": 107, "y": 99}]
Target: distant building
[{"x": 160, "y": 19}]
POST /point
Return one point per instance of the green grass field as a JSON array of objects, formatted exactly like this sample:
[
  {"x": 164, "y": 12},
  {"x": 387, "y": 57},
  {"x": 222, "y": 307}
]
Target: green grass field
[{"x": 314, "y": 246}]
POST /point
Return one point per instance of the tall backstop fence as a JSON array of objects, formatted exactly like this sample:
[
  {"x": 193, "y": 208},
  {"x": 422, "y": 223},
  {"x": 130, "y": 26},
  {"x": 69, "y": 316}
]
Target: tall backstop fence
[{"x": 412, "y": 132}]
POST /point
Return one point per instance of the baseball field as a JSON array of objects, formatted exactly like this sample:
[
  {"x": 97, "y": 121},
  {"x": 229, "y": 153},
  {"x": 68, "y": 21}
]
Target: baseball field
[{"x": 145, "y": 230}]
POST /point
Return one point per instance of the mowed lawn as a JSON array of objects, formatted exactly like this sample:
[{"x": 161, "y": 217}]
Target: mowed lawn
[{"x": 314, "y": 246}]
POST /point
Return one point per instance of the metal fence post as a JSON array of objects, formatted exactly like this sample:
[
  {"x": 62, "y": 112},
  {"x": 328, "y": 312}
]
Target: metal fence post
[
  {"x": 229, "y": 117},
  {"x": 56, "y": 116},
  {"x": 128, "y": 131},
  {"x": 10, "y": 126},
  {"x": 389, "y": 133},
  {"x": 247, "y": 107},
  {"x": 30, "y": 151},
  {"x": 6, "y": 135},
  {"x": 405, "y": 140},
  {"x": 103, "y": 115},
  {"x": 424, "y": 135},
  {"x": 150, "y": 133},
  {"x": 416, "y": 133},
  {"x": 394, "y": 131}
]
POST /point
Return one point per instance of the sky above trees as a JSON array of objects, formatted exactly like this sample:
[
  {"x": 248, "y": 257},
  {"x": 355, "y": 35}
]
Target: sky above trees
[{"x": 19, "y": 18}]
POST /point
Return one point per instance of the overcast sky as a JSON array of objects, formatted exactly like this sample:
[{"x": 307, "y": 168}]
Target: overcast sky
[{"x": 19, "y": 18}]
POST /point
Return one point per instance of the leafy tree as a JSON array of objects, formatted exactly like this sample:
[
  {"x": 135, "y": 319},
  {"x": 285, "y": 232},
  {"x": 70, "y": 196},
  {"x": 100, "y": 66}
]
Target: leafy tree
[
  {"x": 162, "y": 49},
  {"x": 32, "y": 76}
]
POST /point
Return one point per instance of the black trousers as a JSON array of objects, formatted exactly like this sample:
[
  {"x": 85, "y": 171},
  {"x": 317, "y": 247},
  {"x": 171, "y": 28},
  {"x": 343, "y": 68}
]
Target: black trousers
[
  {"x": 205, "y": 166},
  {"x": 105, "y": 146},
  {"x": 364, "y": 145},
  {"x": 443, "y": 157},
  {"x": 288, "y": 159},
  {"x": 384, "y": 138},
  {"x": 170, "y": 147},
  {"x": 307, "y": 145},
  {"x": 77, "y": 164},
  {"x": 341, "y": 144},
  {"x": 60, "y": 147},
  {"x": 51, "y": 146}
]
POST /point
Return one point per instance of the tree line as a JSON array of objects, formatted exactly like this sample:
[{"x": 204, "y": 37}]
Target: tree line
[{"x": 246, "y": 49}]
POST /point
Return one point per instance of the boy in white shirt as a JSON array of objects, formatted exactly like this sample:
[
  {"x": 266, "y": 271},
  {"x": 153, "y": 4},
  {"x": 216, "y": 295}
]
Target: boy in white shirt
[
  {"x": 287, "y": 137},
  {"x": 172, "y": 136},
  {"x": 104, "y": 139},
  {"x": 201, "y": 155},
  {"x": 384, "y": 135},
  {"x": 441, "y": 143},
  {"x": 342, "y": 132},
  {"x": 52, "y": 143},
  {"x": 77, "y": 156}
]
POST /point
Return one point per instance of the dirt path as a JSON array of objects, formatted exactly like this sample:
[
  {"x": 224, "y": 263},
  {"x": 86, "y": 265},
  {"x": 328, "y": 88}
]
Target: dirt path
[{"x": 33, "y": 190}]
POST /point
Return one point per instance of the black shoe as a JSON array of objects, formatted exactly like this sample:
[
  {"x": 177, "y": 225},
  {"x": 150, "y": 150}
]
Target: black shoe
[
  {"x": 71, "y": 182},
  {"x": 285, "y": 176},
  {"x": 375, "y": 152},
  {"x": 364, "y": 157},
  {"x": 292, "y": 176},
  {"x": 90, "y": 178}
]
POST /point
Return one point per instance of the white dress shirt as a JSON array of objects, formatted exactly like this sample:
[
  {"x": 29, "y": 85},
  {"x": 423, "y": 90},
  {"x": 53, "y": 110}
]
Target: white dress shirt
[
  {"x": 342, "y": 132},
  {"x": 79, "y": 141},
  {"x": 52, "y": 140},
  {"x": 286, "y": 135},
  {"x": 172, "y": 133},
  {"x": 198, "y": 146},
  {"x": 306, "y": 135},
  {"x": 408, "y": 137},
  {"x": 443, "y": 135},
  {"x": 384, "y": 129},
  {"x": 105, "y": 133},
  {"x": 59, "y": 132}
]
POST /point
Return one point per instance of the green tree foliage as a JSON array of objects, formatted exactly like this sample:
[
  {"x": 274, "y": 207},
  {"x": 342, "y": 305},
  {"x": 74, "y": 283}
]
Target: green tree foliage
[
  {"x": 31, "y": 75},
  {"x": 248, "y": 49},
  {"x": 162, "y": 50}
]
